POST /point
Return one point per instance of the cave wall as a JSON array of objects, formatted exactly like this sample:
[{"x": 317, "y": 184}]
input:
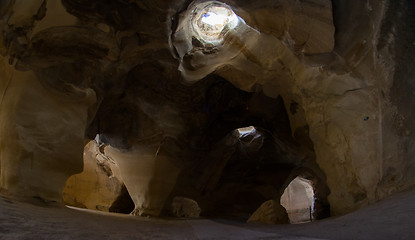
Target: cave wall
[
  {"x": 372, "y": 50},
  {"x": 99, "y": 186},
  {"x": 342, "y": 94},
  {"x": 122, "y": 69},
  {"x": 396, "y": 48},
  {"x": 41, "y": 135}
]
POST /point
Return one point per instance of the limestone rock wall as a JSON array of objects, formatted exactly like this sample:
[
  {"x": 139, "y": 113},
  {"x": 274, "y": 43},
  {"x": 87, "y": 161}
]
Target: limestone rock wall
[
  {"x": 41, "y": 133},
  {"x": 121, "y": 69},
  {"x": 99, "y": 186},
  {"x": 149, "y": 178},
  {"x": 342, "y": 96},
  {"x": 270, "y": 212}
]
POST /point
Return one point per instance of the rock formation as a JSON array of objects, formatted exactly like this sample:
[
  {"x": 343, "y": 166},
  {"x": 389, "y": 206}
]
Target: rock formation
[
  {"x": 326, "y": 84},
  {"x": 185, "y": 207},
  {"x": 99, "y": 186},
  {"x": 270, "y": 212}
]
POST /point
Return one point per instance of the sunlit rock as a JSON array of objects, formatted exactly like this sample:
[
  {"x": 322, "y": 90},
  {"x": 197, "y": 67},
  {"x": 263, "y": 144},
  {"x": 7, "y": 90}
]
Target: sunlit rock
[
  {"x": 99, "y": 186},
  {"x": 148, "y": 176},
  {"x": 270, "y": 212}
]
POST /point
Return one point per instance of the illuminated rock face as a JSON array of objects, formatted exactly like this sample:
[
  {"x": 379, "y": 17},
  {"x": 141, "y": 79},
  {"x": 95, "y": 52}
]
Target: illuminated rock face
[
  {"x": 99, "y": 186},
  {"x": 326, "y": 82},
  {"x": 42, "y": 133},
  {"x": 270, "y": 212},
  {"x": 298, "y": 200},
  {"x": 149, "y": 177}
]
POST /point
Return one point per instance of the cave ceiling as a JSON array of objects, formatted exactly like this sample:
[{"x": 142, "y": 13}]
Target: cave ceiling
[{"x": 166, "y": 101}]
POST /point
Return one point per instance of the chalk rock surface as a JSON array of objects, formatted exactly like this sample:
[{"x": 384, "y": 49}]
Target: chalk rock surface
[{"x": 270, "y": 212}]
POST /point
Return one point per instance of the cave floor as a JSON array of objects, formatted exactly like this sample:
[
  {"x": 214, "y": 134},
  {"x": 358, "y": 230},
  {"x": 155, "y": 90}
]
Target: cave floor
[{"x": 392, "y": 218}]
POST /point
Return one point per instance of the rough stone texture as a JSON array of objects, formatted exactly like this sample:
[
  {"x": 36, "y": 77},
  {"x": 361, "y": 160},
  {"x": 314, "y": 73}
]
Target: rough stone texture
[
  {"x": 185, "y": 207},
  {"x": 328, "y": 82},
  {"x": 42, "y": 133},
  {"x": 149, "y": 178},
  {"x": 343, "y": 102},
  {"x": 270, "y": 212},
  {"x": 99, "y": 186},
  {"x": 306, "y": 26}
]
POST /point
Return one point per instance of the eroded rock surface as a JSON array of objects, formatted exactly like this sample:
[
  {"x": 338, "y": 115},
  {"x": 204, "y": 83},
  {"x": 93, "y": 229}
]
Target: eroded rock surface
[
  {"x": 321, "y": 79},
  {"x": 99, "y": 186},
  {"x": 270, "y": 212}
]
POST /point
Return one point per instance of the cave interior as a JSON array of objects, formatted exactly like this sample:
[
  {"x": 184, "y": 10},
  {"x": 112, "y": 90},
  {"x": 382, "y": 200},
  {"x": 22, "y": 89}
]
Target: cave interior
[{"x": 273, "y": 111}]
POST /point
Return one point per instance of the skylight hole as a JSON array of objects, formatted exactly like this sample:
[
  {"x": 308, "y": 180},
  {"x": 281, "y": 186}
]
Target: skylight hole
[
  {"x": 212, "y": 19},
  {"x": 246, "y": 131}
]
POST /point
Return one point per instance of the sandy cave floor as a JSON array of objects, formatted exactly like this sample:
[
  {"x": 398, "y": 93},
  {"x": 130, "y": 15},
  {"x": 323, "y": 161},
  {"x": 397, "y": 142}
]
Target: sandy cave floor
[{"x": 393, "y": 218}]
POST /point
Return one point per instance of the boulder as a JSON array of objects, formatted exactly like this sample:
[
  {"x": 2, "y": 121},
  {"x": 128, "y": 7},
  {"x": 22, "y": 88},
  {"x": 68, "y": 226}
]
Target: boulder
[
  {"x": 270, "y": 212},
  {"x": 185, "y": 207}
]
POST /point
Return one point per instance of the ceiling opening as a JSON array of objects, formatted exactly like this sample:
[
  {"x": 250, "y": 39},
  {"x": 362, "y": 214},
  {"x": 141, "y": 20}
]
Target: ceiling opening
[
  {"x": 212, "y": 20},
  {"x": 246, "y": 130}
]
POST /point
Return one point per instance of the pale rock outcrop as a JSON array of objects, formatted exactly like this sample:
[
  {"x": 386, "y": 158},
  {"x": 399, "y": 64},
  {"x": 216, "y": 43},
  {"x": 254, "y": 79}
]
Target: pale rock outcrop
[
  {"x": 99, "y": 186},
  {"x": 148, "y": 176},
  {"x": 270, "y": 212}
]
